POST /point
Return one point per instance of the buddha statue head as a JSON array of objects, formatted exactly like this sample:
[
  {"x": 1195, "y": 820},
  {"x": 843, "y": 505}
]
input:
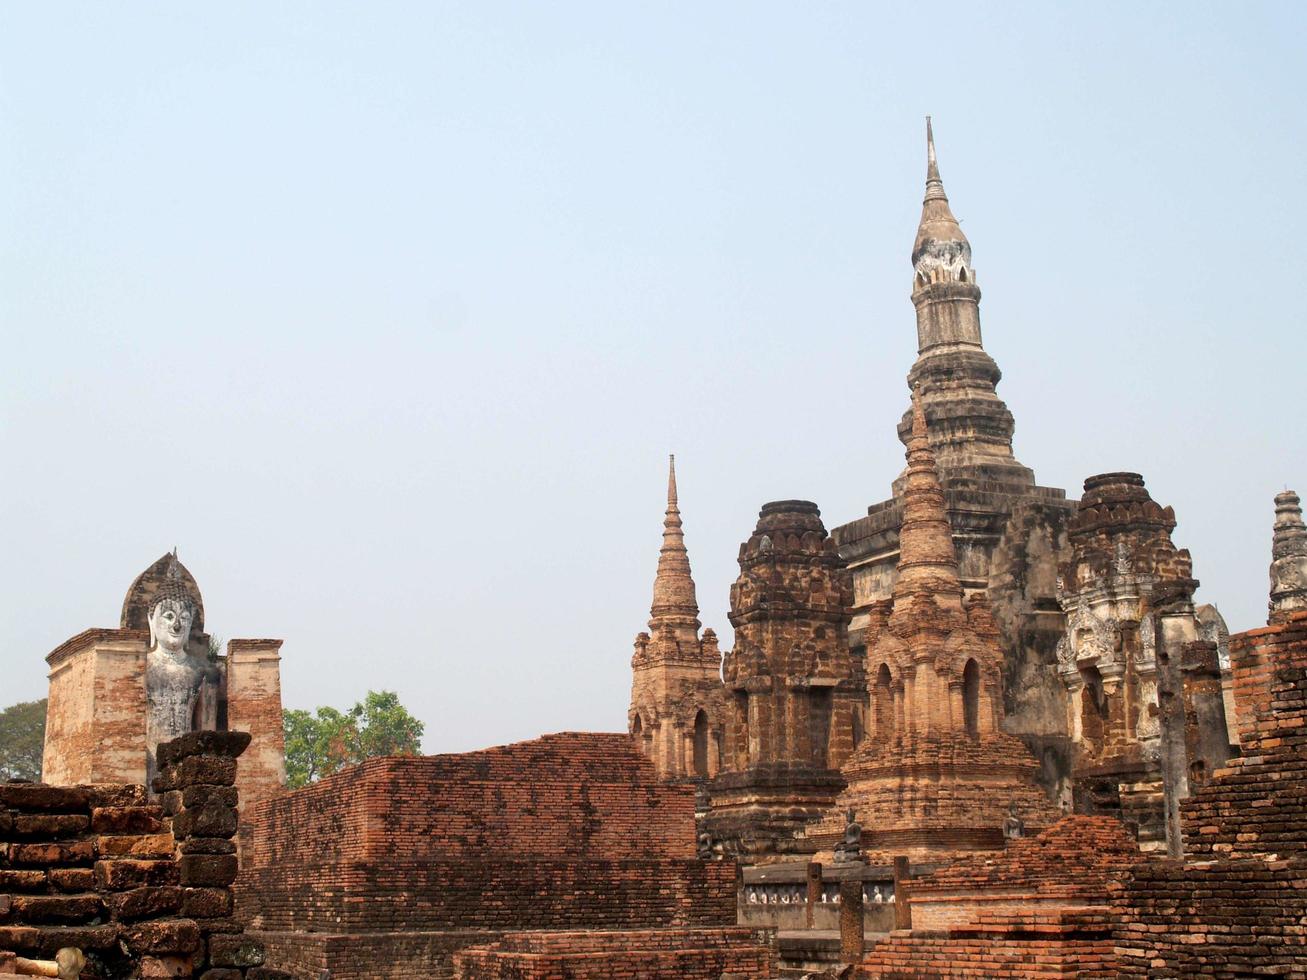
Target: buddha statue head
[{"x": 171, "y": 614}]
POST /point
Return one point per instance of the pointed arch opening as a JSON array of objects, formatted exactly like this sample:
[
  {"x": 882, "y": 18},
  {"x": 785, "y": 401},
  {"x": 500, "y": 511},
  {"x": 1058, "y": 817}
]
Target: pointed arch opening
[
  {"x": 701, "y": 744},
  {"x": 971, "y": 697},
  {"x": 1093, "y": 708},
  {"x": 884, "y": 703}
]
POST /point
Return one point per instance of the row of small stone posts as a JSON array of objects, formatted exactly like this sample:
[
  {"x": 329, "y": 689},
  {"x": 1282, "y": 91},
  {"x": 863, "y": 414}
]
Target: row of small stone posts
[{"x": 852, "y": 924}]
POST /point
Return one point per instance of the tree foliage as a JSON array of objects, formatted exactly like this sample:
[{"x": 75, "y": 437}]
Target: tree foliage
[
  {"x": 318, "y": 744},
  {"x": 22, "y": 740}
]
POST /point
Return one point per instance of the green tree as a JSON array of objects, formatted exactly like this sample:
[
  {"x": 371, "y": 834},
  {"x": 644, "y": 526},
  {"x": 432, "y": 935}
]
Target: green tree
[
  {"x": 318, "y": 744},
  {"x": 22, "y": 740}
]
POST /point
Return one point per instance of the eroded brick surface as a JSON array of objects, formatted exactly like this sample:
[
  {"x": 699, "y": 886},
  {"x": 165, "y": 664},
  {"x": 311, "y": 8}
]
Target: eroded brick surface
[
  {"x": 97, "y": 868},
  {"x": 387, "y": 868}
]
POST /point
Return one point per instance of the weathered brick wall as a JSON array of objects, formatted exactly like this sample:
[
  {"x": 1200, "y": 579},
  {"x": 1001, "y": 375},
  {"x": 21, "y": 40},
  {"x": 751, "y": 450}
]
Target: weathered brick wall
[
  {"x": 1073, "y": 863},
  {"x": 1254, "y": 658},
  {"x": 666, "y": 954},
  {"x": 1226, "y": 919},
  {"x": 387, "y": 868},
  {"x": 460, "y": 894},
  {"x": 584, "y": 795},
  {"x": 136, "y": 886},
  {"x": 1240, "y": 909}
]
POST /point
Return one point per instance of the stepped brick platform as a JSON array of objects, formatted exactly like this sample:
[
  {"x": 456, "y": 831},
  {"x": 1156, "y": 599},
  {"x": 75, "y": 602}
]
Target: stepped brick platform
[
  {"x": 386, "y": 869},
  {"x": 1074, "y": 863},
  {"x": 1029, "y": 946},
  {"x": 141, "y": 889},
  {"x": 659, "y": 954},
  {"x": 1239, "y": 909}
]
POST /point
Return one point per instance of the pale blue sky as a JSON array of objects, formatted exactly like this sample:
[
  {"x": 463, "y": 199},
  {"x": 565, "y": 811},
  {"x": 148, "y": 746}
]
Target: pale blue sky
[{"x": 387, "y": 315}]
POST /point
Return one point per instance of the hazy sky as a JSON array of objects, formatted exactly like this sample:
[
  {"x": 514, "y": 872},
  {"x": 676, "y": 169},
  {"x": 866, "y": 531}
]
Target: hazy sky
[{"x": 387, "y": 315}]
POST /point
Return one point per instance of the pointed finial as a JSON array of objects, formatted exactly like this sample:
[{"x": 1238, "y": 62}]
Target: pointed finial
[
  {"x": 918, "y": 415},
  {"x": 674, "y": 602},
  {"x": 932, "y": 168},
  {"x": 939, "y": 241}
]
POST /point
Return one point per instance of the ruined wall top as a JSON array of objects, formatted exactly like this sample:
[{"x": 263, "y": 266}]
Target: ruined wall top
[
  {"x": 789, "y": 569},
  {"x": 1121, "y": 540}
]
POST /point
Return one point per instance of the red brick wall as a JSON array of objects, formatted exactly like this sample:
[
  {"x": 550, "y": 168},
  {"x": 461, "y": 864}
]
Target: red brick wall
[
  {"x": 558, "y": 894},
  {"x": 403, "y": 860},
  {"x": 1239, "y": 909},
  {"x": 647, "y": 954},
  {"x": 576, "y": 794}
]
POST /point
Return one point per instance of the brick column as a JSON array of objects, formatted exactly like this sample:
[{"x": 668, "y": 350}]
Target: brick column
[
  {"x": 851, "y": 936},
  {"x": 814, "y": 892},
  {"x": 197, "y": 777},
  {"x": 902, "y": 910}
]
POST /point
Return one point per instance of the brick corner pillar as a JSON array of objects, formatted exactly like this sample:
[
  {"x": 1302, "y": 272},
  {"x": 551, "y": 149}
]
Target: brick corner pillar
[
  {"x": 95, "y": 720},
  {"x": 254, "y": 706},
  {"x": 851, "y": 922}
]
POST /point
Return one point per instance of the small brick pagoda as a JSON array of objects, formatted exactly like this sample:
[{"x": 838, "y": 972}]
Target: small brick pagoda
[{"x": 678, "y": 704}]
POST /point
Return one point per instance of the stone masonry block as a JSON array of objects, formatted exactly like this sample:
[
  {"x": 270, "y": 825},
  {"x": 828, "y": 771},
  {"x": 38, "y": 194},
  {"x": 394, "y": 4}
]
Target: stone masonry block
[
  {"x": 80, "y": 852},
  {"x": 40, "y": 798},
  {"x": 205, "y": 770},
  {"x": 137, "y": 846},
  {"x": 208, "y": 870},
  {"x": 144, "y": 903},
  {"x": 210, "y": 820},
  {"x": 43, "y": 909},
  {"x": 227, "y": 744},
  {"x": 123, "y": 874},
  {"x": 47, "y": 826},
  {"x": 237, "y": 951},
  {"x": 72, "y": 879},
  {"x": 206, "y": 903},
  {"x": 180, "y": 936},
  {"x": 127, "y": 820},
  {"x": 206, "y": 845}
]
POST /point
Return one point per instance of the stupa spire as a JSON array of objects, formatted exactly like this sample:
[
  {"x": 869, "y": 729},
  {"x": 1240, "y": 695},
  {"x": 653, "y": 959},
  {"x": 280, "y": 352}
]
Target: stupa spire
[
  {"x": 1288, "y": 557},
  {"x": 940, "y": 243},
  {"x": 926, "y": 552},
  {"x": 970, "y": 428},
  {"x": 674, "y": 601}
]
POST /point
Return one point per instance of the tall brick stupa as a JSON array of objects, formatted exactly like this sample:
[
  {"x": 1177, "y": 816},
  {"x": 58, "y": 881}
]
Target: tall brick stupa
[
  {"x": 1008, "y": 532},
  {"x": 935, "y": 775}
]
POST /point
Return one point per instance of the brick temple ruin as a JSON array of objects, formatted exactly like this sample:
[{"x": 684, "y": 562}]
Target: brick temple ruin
[{"x": 984, "y": 730}]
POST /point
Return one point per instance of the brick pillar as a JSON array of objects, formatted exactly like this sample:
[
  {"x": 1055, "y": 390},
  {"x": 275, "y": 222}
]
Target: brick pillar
[
  {"x": 814, "y": 892},
  {"x": 902, "y": 910},
  {"x": 851, "y": 938},
  {"x": 197, "y": 780},
  {"x": 254, "y": 706}
]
